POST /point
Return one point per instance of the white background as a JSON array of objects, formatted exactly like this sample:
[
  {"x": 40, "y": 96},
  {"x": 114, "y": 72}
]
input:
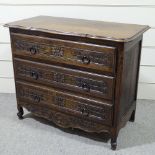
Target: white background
[{"x": 129, "y": 11}]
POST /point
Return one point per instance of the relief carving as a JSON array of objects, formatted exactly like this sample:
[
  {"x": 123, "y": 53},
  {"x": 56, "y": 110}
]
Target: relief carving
[
  {"x": 30, "y": 47},
  {"x": 62, "y": 102},
  {"x": 84, "y": 83},
  {"x": 58, "y": 77},
  {"x": 59, "y": 100},
  {"x": 63, "y": 120},
  {"x": 88, "y": 110},
  {"x": 84, "y": 55},
  {"x": 29, "y": 72},
  {"x": 30, "y": 94},
  {"x": 57, "y": 51},
  {"x": 93, "y": 56},
  {"x": 88, "y": 84}
]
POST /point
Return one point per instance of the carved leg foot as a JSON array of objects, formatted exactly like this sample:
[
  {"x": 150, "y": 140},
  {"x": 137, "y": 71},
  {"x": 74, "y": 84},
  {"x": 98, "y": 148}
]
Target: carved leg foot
[
  {"x": 113, "y": 143},
  {"x": 20, "y": 113},
  {"x": 132, "y": 118}
]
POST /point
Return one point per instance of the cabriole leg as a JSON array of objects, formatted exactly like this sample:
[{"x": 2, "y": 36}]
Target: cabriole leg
[
  {"x": 20, "y": 112},
  {"x": 113, "y": 143},
  {"x": 132, "y": 118}
]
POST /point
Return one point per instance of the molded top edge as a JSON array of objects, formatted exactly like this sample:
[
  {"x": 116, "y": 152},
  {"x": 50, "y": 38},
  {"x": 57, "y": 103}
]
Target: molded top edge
[{"x": 119, "y": 32}]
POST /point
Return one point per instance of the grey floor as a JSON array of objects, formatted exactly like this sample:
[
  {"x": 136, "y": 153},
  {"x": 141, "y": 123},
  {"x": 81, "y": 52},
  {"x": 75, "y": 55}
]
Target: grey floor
[{"x": 33, "y": 136}]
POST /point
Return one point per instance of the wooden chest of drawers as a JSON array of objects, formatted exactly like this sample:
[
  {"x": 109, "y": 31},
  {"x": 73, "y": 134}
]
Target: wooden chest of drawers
[{"x": 77, "y": 73}]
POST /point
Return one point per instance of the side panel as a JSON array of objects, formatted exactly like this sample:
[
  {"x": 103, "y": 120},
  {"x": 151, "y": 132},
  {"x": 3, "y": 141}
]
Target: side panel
[{"x": 130, "y": 77}]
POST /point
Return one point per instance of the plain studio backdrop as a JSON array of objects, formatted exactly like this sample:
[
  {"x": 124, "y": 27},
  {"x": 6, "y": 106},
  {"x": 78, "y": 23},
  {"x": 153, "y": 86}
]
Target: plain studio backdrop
[
  {"x": 35, "y": 136},
  {"x": 129, "y": 11}
]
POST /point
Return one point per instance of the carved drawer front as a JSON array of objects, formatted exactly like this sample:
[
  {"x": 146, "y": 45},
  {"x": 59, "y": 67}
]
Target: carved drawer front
[
  {"x": 87, "y": 56},
  {"x": 83, "y": 82},
  {"x": 65, "y": 102},
  {"x": 65, "y": 120}
]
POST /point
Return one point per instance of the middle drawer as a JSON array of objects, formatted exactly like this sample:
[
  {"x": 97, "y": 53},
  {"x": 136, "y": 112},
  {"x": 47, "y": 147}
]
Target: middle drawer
[{"x": 83, "y": 82}]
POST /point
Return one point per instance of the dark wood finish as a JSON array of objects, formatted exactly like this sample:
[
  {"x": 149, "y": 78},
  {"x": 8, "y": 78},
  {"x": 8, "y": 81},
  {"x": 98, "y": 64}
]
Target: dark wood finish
[
  {"x": 20, "y": 112},
  {"x": 77, "y": 73},
  {"x": 65, "y": 102},
  {"x": 65, "y": 120},
  {"x": 84, "y": 82},
  {"x": 132, "y": 118},
  {"x": 119, "y": 32},
  {"x": 88, "y": 56},
  {"x": 113, "y": 143}
]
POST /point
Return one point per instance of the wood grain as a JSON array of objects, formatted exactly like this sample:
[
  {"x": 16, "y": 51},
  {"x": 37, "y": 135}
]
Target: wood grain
[
  {"x": 84, "y": 82},
  {"x": 98, "y": 29},
  {"x": 42, "y": 54},
  {"x": 148, "y": 38},
  {"x": 83, "y": 55},
  {"x": 64, "y": 102}
]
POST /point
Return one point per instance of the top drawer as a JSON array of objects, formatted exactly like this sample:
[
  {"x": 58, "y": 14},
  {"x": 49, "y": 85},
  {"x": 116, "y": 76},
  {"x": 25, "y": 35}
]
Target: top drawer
[{"x": 88, "y": 56}]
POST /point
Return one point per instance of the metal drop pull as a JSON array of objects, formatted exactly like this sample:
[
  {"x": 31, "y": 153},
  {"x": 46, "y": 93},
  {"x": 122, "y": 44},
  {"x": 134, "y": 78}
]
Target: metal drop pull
[
  {"x": 85, "y": 60},
  {"x": 33, "y": 50},
  {"x": 86, "y": 87},
  {"x": 85, "y": 112},
  {"x": 34, "y": 75},
  {"x": 36, "y": 98}
]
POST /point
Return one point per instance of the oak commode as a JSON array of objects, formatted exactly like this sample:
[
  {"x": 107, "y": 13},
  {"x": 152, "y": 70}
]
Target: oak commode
[{"x": 77, "y": 73}]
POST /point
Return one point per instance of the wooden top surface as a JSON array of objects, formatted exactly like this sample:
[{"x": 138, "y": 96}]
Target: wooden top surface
[{"x": 86, "y": 28}]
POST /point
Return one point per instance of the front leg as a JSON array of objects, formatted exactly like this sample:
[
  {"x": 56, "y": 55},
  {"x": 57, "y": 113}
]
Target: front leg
[
  {"x": 20, "y": 112},
  {"x": 113, "y": 143},
  {"x": 132, "y": 118}
]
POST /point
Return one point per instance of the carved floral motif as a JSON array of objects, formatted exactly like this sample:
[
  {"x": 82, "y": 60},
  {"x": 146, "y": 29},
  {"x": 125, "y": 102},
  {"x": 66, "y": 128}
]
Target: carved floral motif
[
  {"x": 58, "y": 77},
  {"x": 84, "y": 83},
  {"x": 64, "y": 120},
  {"x": 63, "y": 102},
  {"x": 102, "y": 58}
]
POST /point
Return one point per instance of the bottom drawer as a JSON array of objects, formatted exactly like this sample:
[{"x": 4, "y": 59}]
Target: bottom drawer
[
  {"x": 64, "y": 102},
  {"x": 65, "y": 120}
]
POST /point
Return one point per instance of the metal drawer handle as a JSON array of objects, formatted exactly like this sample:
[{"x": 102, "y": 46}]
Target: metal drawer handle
[
  {"x": 34, "y": 75},
  {"x": 33, "y": 50},
  {"x": 85, "y": 60},
  {"x": 86, "y": 87},
  {"x": 36, "y": 98}
]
